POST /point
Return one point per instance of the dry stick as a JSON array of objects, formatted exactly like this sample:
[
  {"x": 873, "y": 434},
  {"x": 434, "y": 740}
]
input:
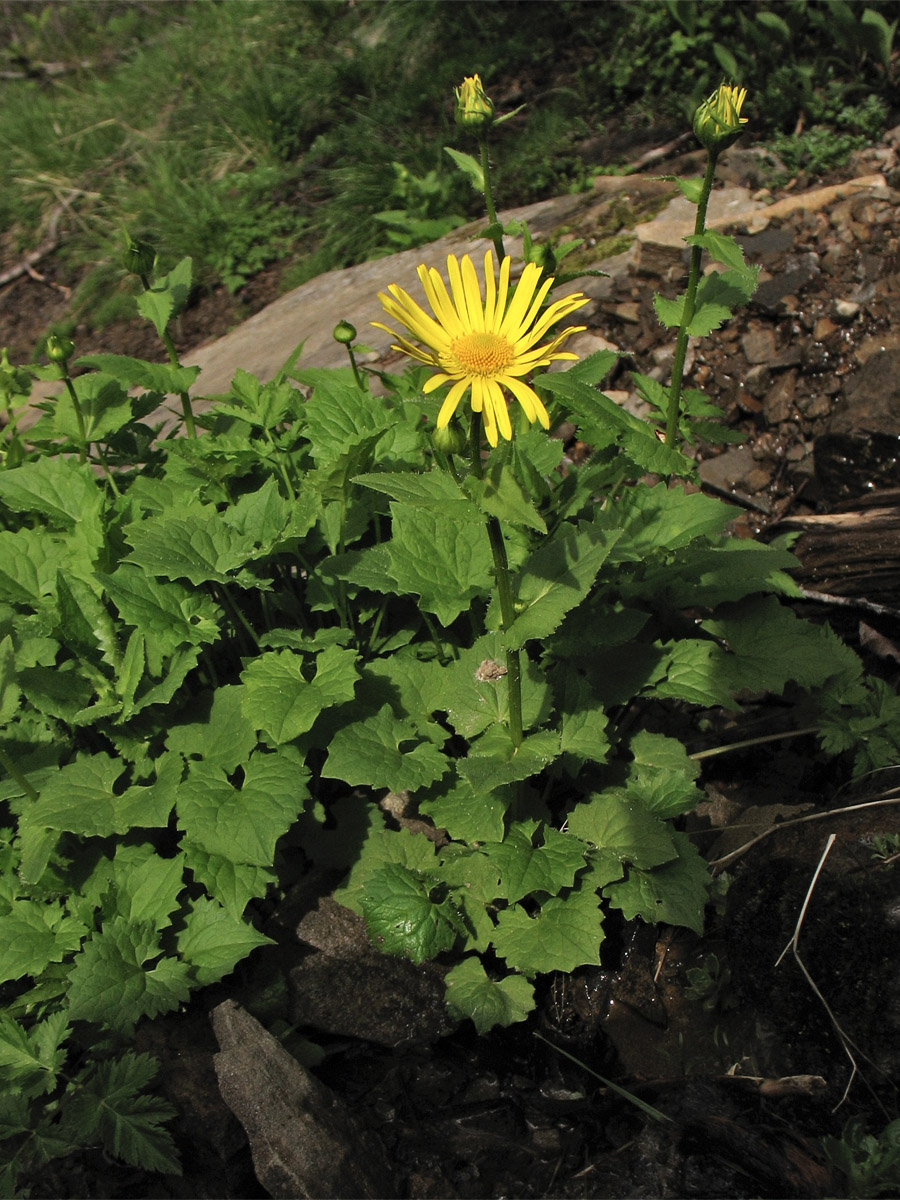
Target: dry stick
[
  {"x": 845, "y": 1039},
  {"x": 50, "y": 242},
  {"x": 718, "y": 863}
]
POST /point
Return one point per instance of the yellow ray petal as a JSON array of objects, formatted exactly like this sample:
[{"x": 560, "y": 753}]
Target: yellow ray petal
[
  {"x": 495, "y": 399},
  {"x": 518, "y": 306},
  {"x": 490, "y": 290},
  {"x": 473, "y": 295},
  {"x": 450, "y": 405}
]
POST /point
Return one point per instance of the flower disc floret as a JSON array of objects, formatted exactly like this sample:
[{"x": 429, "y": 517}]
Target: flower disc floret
[{"x": 482, "y": 344}]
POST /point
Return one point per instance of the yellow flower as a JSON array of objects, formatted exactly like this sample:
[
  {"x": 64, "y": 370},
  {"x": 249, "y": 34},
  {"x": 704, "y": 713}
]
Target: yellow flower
[
  {"x": 718, "y": 120},
  {"x": 486, "y": 345},
  {"x": 474, "y": 110}
]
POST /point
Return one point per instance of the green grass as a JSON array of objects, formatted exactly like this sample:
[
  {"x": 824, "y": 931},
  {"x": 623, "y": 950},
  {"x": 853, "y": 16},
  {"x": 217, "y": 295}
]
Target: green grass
[{"x": 247, "y": 132}]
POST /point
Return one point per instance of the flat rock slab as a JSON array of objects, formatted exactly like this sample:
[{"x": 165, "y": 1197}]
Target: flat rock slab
[
  {"x": 860, "y": 449},
  {"x": 304, "y": 1140}
]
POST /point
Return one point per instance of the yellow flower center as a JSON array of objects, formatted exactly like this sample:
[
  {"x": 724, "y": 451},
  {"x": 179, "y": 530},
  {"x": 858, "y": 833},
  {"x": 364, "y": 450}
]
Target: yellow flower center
[{"x": 482, "y": 353}]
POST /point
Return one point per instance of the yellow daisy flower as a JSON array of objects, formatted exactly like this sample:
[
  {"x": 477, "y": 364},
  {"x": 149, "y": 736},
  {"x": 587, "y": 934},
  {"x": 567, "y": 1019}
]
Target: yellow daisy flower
[{"x": 486, "y": 345}]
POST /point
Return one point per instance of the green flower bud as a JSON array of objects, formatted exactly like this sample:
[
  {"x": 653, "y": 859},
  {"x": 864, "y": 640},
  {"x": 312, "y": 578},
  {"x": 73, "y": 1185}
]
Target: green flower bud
[
  {"x": 718, "y": 121},
  {"x": 14, "y": 381},
  {"x": 59, "y": 349},
  {"x": 474, "y": 110},
  {"x": 344, "y": 333},
  {"x": 139, "y": 257},
  {"x": 450, "y": 439}
]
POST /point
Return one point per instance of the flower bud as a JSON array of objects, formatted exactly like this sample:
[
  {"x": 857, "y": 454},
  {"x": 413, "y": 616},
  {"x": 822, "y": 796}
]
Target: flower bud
[
  {"x": 139, "y": 257},
  {"x": 344, "y": 333},
  {"x": 718, "y": 121},
  {"x": 14, "y": 381},
  {"x": 474, "y": 110},
  {"x": 59, "y": 348},
  {"x": 450, "y": 439}
]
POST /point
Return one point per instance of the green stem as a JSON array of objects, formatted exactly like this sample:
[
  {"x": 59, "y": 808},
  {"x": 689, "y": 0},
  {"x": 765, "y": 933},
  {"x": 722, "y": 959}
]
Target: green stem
[
  {"x": 240, "y": 620},
  {"x": 79, "y": 417},
  {"x": 356, "y": 373},
  {"x": 489, "y": 200},
  {"x": 504, "y": 595},
  {"x": 713, "y": 751},
  {"x": 690, "y": 301},
  {"x": 185, "y": 398},
  {"x": 101, "y": 453},
  {"x": 292, "y": 495},
  {"x": 14, "y": 773}
]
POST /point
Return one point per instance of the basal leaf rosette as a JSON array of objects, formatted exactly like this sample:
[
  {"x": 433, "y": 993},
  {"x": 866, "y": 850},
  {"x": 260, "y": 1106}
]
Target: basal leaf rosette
[{"x": 483, "y": 345}]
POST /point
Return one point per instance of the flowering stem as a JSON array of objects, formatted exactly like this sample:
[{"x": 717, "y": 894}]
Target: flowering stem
[
  {"x": 79, "y": 417},
  {"x": 185, "y": 398},
  {"x": 489, "y": 200},
  {"x": 690, "y": 301},
  {"x": 505, "y": 596}
]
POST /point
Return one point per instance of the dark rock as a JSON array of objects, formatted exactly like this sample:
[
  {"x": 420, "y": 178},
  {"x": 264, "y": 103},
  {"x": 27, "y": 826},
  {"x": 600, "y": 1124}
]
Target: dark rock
[
  {"x": 771, "y": 242},
  {"x": 350, "y": 988},
  {"x": 304, "y": 1140},
  {"x": 373, "y": 996},
  {"x": 770, "y": 293},
  {"x": 860, "y": 449}
]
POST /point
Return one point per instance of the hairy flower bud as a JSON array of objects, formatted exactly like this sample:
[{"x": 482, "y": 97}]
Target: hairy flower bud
[
  {"x": 474, "y": 110},
  {"x": 718, "y": 121},
  {"x": 59, "y": 348},
  {"x": 450, "y": 439},
  {"x": 139, "y": 257},
  {"x": 344, "y": 333}
]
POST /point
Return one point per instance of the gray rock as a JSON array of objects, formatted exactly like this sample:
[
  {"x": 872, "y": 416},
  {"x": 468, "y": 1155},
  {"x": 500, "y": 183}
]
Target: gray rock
[
  {"x": 304, "y": 1140},
  {"x": 779, "y": 402},
  {"x": 860, "y": 449},
  {"x": 758, "y": 380},
  {"x": 759, "y": 345},
  {"x": 846, "y": 310},
  {"x": 770, "y": 293}
]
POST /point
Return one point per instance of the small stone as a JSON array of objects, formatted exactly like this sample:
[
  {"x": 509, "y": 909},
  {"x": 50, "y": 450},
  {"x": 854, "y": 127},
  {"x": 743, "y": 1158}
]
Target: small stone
[
  {"x": 628, "y": 312},
  {"x": 846, "y": 310},
  {"x": 823, "y": 329},
  {"x": 758, "y": 380},
  {"x": 759, "y": 345},
  {"x": 779, "y": 402}
]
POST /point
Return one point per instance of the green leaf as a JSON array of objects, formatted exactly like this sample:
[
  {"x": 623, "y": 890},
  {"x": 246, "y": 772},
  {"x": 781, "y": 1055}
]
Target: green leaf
[
  {"x": 674, "y": 893},
  {"x": 770, "y": 647},
  {"x": 488, "y": 1002},
  {"x": 233, "y": 884},
  {"x": 696, "y": 671},
  {"x": 446, "y": 563},
  {"x": 29, "y": 563},
  {"x": 721, "y": 248},
  {"x": 242, "y": 824},
  {"x": 436, "y": 491},
  {"x": 662, "y": 776},
  {"x": 213, "y": 941},
  {"x": 340, "y": 416},
  {"x": 199, "y": 546},
  {"x": 167, "y": 297},
  {"x": 469, "y": 166},
  {"x": 166, "y": 612},
  {"x": 405, "y": 914},
  {"x": 584, "y": 720},
  {"x": 32, "y": 1060},
  {"x": 499, "y": 494},
  {"x": 9, "y": 689},
  {"x": 368, "y": 753},
  {"x": 524, "y": 867},
  {"x": 670, "y": 312},
  {"x": 111, "y": 1100},
  {"x": 466, "y": 814},
  {"x": 34, "y": 934},
  {"x": 474, "y": 693},
  {"x": 135, "y": 372},
  {"x": 220, "y": 733},
  {"x": 691, "y": 188},
  {"x": 113, "y": 983},
  {"x": 611, "y": 822},
  {"x": 278, "y": 699},
  {"x": 493, "y": 763},
  {"x": 555, "y": 578},
  {"x": 603, "y": 422},
  {"x": 149, "y": 891},
  {"x": 565, "y": 934},
  {"x": 80, "y": 798},
  {"x": 54, "y": 487}
]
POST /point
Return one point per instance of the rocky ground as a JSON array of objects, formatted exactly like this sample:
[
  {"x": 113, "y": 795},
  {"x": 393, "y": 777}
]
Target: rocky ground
[{"x": 746, "y": 1071}]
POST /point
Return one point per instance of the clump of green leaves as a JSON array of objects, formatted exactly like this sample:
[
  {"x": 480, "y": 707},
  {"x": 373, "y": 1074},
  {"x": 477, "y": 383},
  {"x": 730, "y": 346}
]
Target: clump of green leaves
[
  {"x": 217, "y": 653},
  {"x": 870, "y": 1162}
]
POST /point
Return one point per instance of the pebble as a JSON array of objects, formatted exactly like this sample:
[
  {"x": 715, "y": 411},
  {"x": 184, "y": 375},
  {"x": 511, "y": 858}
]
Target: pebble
[
  {"x": 627, "y": 311},
  {"x": 759, "y": 345},
  {"x": 823, "y": 329},
  {"x": 846, "y": 310},
  {"x": 779, "y": 401}
]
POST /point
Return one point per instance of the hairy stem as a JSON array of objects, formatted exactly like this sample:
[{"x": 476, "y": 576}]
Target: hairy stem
[{"x": 690, "y": 301}]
